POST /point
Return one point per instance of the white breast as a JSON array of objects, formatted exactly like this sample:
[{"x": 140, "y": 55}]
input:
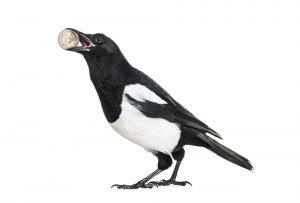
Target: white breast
[{"x": 153, "y": 134}]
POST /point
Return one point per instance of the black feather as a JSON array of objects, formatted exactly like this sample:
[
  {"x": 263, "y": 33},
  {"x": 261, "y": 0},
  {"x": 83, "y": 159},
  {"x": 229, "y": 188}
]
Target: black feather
[
  {"x": 170, "y": 113},
  {"x": 180, "y": 114},
  {"x": 225, "y": 152}
]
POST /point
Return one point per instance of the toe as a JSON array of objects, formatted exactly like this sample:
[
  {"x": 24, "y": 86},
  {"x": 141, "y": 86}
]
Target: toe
[
  {"x": 114, "y": 185},
  {"x": 182, "y": 183},
  {"x": 153, "y": 184},
  {"x": 187, "y": 182}
]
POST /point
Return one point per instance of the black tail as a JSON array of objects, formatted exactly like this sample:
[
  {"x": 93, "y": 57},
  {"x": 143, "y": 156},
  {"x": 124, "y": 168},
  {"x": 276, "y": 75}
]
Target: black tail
[{"x": 225, "y": 152}]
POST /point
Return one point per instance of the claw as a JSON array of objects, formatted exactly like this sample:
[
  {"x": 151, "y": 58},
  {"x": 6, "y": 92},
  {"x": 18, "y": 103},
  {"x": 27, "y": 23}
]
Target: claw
[
  {"x": 134, "y": 186},
  {"x": 114, "y": 185},
  {"x": 170, "y": 182},
  {"x": 182, "y": 183}
]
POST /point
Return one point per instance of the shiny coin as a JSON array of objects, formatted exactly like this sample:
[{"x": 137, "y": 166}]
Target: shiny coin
[{"x": 68, "y": 39}]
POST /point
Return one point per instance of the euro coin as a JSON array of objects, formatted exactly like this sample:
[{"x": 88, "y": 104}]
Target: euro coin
[{"x": 68, "y": 39}]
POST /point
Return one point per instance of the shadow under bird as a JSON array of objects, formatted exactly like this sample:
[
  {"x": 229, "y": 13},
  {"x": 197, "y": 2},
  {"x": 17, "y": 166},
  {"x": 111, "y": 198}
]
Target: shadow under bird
[{"x": 143, "y": 112}]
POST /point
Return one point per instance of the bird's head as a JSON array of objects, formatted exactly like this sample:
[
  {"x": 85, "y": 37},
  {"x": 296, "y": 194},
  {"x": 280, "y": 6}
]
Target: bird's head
[
  {"x": 94, "y": 44},
  {"x": 103, "y": 56}
]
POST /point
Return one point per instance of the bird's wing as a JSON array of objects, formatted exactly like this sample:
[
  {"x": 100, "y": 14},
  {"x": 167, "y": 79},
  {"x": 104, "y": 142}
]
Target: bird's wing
[{"x": 172, "y": 110}]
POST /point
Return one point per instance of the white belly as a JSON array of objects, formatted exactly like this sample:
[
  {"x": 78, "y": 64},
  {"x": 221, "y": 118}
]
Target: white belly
[{"x": 153, "y": 134}]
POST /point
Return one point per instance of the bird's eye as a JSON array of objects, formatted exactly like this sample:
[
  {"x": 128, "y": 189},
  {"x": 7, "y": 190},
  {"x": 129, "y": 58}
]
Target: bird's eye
[{"x": 99, "y": 40}]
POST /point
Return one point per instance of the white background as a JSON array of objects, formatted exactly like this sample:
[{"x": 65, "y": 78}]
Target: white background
[{"x": 233, "y": 63}]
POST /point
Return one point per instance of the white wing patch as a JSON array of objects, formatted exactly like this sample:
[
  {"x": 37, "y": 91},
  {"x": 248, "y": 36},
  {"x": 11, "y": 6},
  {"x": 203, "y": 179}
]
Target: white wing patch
[
  {"x": 153, "y": 134},
  {"x": 142, "y": 93}
]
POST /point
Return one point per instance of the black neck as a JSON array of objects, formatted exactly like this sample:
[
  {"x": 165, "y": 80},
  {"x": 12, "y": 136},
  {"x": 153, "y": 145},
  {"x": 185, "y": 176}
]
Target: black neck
[{"x": 109, "y": 76}]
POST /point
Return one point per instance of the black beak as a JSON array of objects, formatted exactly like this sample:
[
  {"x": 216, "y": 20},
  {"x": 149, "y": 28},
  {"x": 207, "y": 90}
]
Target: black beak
[{"x": 84, "y": 40}]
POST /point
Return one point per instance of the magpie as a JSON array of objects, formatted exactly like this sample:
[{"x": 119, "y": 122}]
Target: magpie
[{"x": 143, "y": 112}]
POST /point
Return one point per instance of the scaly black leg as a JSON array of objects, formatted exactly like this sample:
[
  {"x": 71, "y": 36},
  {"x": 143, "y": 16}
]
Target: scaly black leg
[
  {"x": 178, "y": 155},
  {"x": 164, "y": 162},
  {"x": 141, "y": 184}
]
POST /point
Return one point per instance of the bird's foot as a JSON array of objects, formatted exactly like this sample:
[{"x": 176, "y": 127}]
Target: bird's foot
[
  {"x": 135, "y": 186},
  {"x": 170, "y": 182}
]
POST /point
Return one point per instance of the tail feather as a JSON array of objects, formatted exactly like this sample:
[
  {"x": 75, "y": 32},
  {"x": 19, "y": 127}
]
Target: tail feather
[{"x": 225, "y": 152}]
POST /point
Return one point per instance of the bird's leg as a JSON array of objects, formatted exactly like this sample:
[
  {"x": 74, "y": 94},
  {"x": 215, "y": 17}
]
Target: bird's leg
[
  {"x": 172, "y": 180},
  {"x": 164, "y": 162},
  {"x": 140, "y": 184},
  {"x": 178, "y": 155}
]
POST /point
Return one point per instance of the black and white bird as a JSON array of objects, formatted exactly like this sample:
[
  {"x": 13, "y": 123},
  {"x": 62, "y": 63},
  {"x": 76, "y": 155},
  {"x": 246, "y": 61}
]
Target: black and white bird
[{"x": 144, "y": 113}]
